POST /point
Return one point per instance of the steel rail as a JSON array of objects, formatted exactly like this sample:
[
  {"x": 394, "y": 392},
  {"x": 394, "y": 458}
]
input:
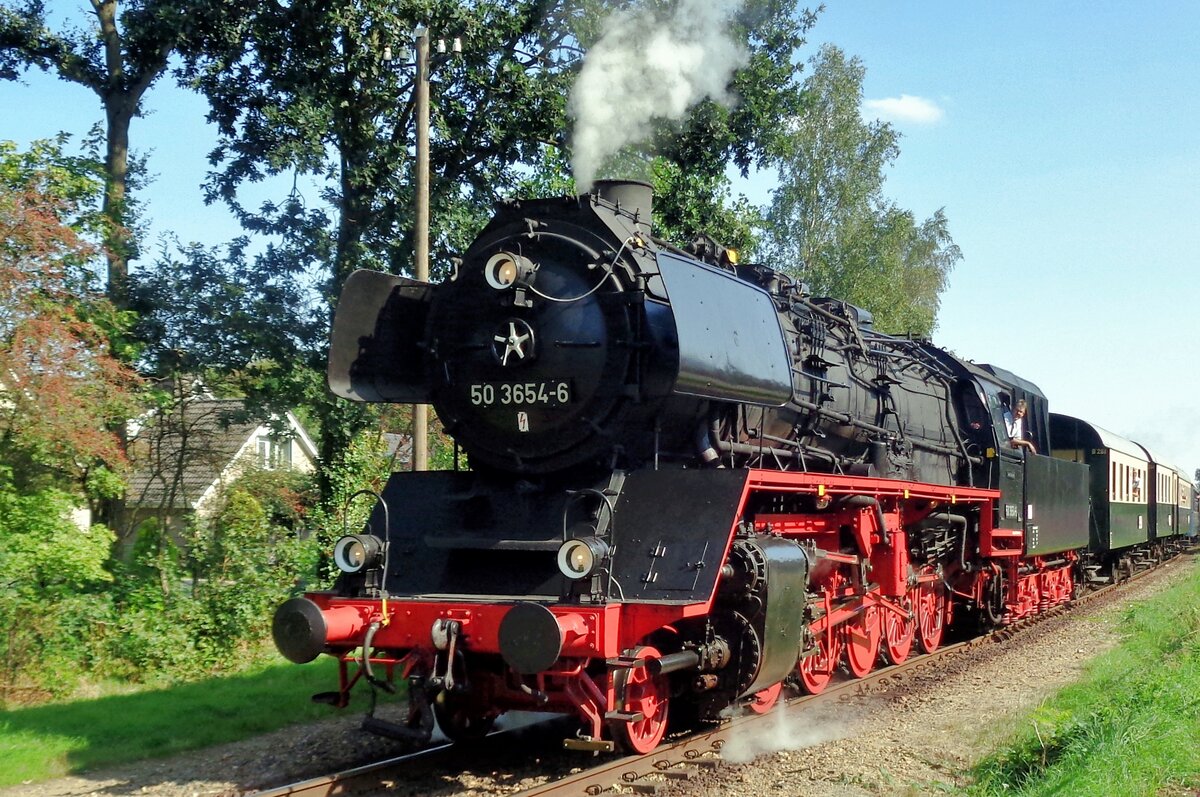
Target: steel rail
[{"x": 375, "y": 775}]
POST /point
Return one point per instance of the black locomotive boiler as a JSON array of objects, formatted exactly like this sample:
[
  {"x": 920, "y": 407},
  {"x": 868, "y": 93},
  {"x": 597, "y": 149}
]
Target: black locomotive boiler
[
  {"x": 691, "y": 485},
  {"x": 570, "y": 339}
]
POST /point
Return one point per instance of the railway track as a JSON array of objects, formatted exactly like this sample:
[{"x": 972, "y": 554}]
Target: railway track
[{"x": 677, "y": 759}]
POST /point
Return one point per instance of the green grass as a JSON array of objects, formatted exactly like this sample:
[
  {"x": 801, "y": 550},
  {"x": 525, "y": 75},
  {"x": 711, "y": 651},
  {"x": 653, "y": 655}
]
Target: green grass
[
  {"x": 1130, "y": 727},
  {"x": 60, "y": 738}
]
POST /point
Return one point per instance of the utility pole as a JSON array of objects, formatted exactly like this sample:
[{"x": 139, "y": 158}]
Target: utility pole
[{"x": 420, "y": 448}]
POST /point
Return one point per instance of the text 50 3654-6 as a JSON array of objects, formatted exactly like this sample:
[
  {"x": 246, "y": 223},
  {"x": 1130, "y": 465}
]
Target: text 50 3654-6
[{"x": 543, "y": 393}]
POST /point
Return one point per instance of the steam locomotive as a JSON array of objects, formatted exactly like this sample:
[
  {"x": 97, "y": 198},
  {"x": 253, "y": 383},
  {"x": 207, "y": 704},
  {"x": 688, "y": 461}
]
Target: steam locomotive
[{"x": 691, "y": 485}]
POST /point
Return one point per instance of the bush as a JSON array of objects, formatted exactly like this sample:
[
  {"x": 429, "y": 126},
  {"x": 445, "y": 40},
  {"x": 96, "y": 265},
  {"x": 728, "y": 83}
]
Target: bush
[
  {"x": 246, "y": 559},
  {"x": 366, "y": 466},
  {"x": 50, "y": 572},
  {"x": 181, "y": 607}
]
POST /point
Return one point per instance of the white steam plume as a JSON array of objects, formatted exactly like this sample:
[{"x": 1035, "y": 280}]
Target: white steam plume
[
  {"x": 645, "y": 68},
  {"x": 781, "y": 731}
]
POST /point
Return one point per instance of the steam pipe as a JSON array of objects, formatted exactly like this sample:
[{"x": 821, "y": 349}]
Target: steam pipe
[
  {"x": 957, "y": 521},
  {"x": 943, "y": 517},
  {"x": 368, "y": 642},
  {"x": 540, "y": 697},
  {"x": 849, "y": 420},
  {"x": 861, "y": 501},
  {"x": 746, "y": 448}
]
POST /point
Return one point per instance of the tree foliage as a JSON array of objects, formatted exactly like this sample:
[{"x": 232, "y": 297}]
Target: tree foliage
[
  {"x": 829, "y": 222},
  {"x": 43, "y": 555},
  {"x": 246, "y": 556},
  {"x": 242, "y": 320},
  {"x": 46, "y": 565},
  {"x": 62, "y": 389},
  {"x": 690, "y": 202},
  {"x": 117, "y": 51},
  {"x": 322, "y": 92}
]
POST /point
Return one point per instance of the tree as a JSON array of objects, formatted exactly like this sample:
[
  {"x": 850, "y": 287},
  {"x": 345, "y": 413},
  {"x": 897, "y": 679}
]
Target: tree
[
  {"x": 688, "y": 202},
  {"x": 829, "y": 222},
  {"x": 246, "y": 556},
  {"x": 308, "y": 89},
  {"x": 61, "y": 390},
  {"x": 117, "y": 55}
]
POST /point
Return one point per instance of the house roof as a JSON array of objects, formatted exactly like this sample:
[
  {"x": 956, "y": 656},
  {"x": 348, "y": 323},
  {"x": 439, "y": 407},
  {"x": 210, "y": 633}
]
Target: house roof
[{"x": 178, "y": 455}]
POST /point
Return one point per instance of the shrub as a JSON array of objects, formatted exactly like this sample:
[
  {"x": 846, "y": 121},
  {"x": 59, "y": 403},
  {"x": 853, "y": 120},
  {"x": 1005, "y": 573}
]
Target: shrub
[{"x": 50, "y": 569}]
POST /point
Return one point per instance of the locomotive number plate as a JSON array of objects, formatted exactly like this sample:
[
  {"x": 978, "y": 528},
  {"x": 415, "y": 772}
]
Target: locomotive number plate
[{"x": 544, "y": 393}]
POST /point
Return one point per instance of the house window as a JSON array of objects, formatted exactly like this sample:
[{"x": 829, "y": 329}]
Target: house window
[{"x": 273, "y": 453}]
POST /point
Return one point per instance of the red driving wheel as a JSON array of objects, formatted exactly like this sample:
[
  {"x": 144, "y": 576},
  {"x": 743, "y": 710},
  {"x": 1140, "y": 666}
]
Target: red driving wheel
[
  {"x": 861, "y": 638},
  {"x": 817, "y": 669},
  {"x": 644, "y": 696},
  {"x": 931, "y": 615},
  {"x": 765, "y": 699},
  {"x": 898, "y": 633}
]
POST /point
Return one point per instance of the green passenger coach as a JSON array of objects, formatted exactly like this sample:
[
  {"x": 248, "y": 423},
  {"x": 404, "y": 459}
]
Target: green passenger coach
[{"x": 1120, "y": 491}]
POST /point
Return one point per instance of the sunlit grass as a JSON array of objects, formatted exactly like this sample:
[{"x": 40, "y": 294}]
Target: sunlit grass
[
  {"x": 1131, "y": 727},
  {"x": 60, "y": 738}
]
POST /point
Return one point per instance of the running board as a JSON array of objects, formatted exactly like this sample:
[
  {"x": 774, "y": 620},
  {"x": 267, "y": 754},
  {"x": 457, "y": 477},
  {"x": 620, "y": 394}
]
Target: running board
[{"x": 589, "y": 745}]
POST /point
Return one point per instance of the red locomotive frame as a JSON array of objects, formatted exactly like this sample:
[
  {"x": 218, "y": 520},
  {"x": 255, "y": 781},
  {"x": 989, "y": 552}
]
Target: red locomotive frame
[{"x": 870, "y": 602}]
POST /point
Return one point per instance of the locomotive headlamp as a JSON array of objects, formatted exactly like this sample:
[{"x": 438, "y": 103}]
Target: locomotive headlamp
[
  {"x": 357, "y": 552},
  {"x": 504, "y": 270},
  {"x": 578, "y": 558}
]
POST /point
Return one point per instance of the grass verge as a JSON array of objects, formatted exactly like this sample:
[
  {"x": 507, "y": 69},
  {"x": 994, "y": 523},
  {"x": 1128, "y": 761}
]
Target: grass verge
[
  {"x": 62, "y": 738},
  {"x": 1129, "y": 728}
]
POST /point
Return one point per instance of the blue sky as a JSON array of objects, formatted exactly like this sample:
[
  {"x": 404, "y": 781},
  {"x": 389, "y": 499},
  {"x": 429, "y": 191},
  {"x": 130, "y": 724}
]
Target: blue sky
[{"x": 1062, "y": 139}]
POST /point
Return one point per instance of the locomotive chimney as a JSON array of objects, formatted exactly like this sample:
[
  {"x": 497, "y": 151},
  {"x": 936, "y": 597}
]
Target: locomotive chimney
[{"x": 632, "y": 196}]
